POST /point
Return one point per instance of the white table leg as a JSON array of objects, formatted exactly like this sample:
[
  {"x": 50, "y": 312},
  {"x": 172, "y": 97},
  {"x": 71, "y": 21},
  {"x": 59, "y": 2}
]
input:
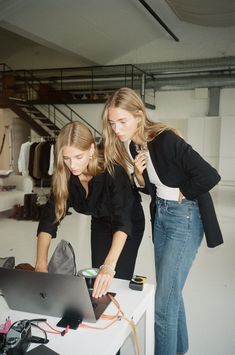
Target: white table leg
[{"x": 149, "y": 325}]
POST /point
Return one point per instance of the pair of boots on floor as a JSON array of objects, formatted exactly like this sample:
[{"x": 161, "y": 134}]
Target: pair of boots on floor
[{"x": 29, "y": 211}]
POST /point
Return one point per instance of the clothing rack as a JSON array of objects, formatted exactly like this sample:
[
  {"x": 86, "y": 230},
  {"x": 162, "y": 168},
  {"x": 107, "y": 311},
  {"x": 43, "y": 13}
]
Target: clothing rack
[
  {"x": 42, "y": 139},
  {"x": 40, "y": 183}
]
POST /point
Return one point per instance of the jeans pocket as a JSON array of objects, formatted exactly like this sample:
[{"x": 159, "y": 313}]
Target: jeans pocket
[
  {"x": 179, "y": 217},
  {"x": 178, "y": 210}
]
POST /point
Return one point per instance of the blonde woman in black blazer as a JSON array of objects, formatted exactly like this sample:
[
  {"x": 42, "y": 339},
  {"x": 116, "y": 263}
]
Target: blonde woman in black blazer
[
  {"x": 178, "y": 180},
  {"x": 81, "y": 181}
]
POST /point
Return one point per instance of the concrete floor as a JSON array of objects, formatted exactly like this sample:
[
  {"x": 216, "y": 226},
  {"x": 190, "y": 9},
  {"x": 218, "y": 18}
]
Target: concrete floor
[{"x": 210, "y": 290}]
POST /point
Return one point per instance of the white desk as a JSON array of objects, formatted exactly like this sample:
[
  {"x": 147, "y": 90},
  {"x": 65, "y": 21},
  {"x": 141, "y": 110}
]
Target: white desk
[{"x": 134, "y": 304}]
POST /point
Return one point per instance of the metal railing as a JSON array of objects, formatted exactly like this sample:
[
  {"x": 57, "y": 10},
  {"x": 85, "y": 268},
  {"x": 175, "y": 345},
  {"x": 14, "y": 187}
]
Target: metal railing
[
  {"x": 24, "y": 86},
  {"x": 81, "y": 84}
]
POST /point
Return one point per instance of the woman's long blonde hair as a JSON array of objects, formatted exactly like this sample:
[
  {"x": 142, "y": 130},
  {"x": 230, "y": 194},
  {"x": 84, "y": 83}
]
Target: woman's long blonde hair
[
  {"x": 74, "y": 134},
  {"x": 114, "y": 150}
]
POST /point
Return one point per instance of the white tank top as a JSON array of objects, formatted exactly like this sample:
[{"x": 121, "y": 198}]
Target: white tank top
[{"x": 163, "y": 191}]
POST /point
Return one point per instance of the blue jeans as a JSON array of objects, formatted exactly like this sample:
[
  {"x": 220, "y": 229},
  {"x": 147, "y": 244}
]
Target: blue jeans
[{"x": 178, "y": 233}]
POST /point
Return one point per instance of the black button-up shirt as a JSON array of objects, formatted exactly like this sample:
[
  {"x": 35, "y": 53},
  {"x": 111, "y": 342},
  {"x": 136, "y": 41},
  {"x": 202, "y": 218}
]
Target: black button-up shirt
[{"x": 109, "y": 198}]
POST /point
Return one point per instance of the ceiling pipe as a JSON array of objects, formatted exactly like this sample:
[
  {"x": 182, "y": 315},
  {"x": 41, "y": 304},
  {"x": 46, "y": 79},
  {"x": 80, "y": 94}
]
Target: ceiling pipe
[
  {"x": 153, "y": 13},
  {"x": 191, "y": 74},
  {"x": 206, "y": 64},
  {"x": 190, "y": 83}
]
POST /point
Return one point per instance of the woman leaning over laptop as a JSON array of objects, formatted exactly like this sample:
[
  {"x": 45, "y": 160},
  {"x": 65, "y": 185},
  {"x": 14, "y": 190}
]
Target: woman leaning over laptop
[{"x": 81, "y": 181}]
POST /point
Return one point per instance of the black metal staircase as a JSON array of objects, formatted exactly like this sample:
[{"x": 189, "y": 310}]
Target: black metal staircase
[{"x": 25, "y": 112}]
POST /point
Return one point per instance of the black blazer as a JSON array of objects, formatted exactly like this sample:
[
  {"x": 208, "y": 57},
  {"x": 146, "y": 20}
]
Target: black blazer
[
  {"x": 111, "y": 199},
  {"x": 178, "y": 165}
]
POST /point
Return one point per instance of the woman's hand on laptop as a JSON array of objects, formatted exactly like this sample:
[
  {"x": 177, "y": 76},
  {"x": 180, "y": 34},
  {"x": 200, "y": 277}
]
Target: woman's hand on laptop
[{"x": 103, "y": 280}]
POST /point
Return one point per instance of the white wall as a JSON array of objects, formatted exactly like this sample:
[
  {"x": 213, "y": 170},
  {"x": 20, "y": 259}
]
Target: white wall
[
  {"x": 180, "y": 104},
  {"x": 91, "y": 112},
  {"x": 227, "y": 136},
  {"x": 212, "y": 137},
  {"x": 204, "y": 136},
  {"x": 177, "y": 107}
]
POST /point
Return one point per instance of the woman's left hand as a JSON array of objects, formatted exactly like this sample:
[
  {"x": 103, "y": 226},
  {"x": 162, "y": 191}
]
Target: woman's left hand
[{"x": 102, "y": 282}]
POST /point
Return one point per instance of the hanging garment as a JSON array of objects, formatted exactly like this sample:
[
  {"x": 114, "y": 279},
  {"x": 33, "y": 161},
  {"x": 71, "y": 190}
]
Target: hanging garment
[
  {"x": 36, "y": 162},
  {"x": 31, "y": 158},
  {"x": 51, "y": 165},
  {"x": 44, "y": 159},
  {"x": 23, "y": 160}
]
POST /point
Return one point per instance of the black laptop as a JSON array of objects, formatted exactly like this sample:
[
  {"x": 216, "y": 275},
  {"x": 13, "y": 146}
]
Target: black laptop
[{"x": 51, "y": 294}]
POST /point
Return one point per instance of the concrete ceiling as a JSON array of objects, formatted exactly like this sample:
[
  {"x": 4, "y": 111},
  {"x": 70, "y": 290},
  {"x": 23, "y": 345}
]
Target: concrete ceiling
[
  {"x": 119, "y": 31},
  {"x": 205, "y": 12}
]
